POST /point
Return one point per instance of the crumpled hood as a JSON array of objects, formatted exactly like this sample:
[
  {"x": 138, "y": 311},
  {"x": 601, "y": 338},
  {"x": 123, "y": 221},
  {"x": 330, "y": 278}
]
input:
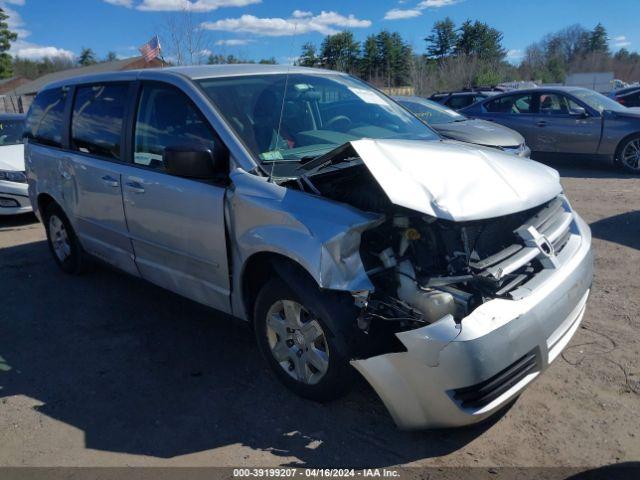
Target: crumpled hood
[
  {"x": 456, "y": 182},
  {"x": 480, "y": 132},
  {"x": 12, "y": 157}
]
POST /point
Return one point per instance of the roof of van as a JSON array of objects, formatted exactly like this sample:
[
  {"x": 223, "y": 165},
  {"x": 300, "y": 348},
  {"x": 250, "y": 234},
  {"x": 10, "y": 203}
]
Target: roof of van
[{"x": 195, "y": 73}]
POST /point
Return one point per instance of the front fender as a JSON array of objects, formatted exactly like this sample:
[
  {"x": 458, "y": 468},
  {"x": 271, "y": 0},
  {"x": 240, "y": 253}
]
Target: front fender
[{"x": 320, "y": 235}]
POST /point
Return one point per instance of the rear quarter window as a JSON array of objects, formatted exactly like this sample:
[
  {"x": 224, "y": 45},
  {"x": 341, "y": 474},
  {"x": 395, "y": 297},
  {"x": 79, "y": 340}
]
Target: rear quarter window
[{"x": 46, "y": 117}]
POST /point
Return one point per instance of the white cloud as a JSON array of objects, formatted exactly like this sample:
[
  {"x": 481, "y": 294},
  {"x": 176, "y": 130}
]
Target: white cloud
[
  {"x": 234, "y": 42},
  {"x": 34, "y": 52},
  {"x": 620, "y": 41},
  {"x": 402, "y": 14},
  {"x": 437, "y": 3},
  {"x": 22, "y": 47},
  {"x": 121, "y": 3},
  {"x": 326, "y": 23},
  {"x": 514, "y": 55},
  {"x": 399, "y": 14},
  {"x": 192, "y": 5}
]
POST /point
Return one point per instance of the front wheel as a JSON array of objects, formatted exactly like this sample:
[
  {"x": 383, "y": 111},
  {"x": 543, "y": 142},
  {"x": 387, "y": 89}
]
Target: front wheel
[
  {"x": 629, "y": 154},
  {"x": 295, "y": 340}
]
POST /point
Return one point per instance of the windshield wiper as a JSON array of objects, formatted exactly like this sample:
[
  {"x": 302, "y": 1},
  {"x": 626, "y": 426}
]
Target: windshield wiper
[{"x": 343, "y": 153}]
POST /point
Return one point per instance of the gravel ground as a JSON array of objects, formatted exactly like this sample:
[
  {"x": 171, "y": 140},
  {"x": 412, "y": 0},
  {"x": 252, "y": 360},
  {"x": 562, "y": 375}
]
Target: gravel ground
[{"x": 105, "y": 369}]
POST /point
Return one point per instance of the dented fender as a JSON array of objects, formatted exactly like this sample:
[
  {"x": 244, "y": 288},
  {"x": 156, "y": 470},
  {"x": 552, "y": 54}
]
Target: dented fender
[{"x": 321, "y": 235}]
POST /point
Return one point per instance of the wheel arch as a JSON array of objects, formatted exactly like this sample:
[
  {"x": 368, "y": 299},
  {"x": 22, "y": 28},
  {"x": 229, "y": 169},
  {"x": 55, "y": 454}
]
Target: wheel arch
[
  {"x": 621, "y": 143},
  {"x": 259, "y": 268}
]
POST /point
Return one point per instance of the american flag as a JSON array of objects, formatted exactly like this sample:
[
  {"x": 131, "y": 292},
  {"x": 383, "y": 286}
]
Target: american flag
[{"x": 151, "y": 49}]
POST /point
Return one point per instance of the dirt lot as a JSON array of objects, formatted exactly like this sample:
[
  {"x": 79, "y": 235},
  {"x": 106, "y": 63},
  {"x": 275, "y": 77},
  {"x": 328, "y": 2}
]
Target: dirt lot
[{"x": 108, "y": 370}]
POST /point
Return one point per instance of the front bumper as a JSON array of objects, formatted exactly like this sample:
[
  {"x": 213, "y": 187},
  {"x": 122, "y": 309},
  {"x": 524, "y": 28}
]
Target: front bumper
[
  {"x": 14, "y": 198},
  {"x": 455, "y": 374}
]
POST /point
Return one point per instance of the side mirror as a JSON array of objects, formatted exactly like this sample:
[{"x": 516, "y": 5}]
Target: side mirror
[
  {"x": 579, "y": 112},
  {"x": 193, "y": 161}
]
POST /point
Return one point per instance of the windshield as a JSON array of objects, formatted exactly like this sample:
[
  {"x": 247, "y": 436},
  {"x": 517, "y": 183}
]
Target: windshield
[
  {"x": 11, "y": 132},
  {"x": 597, "y": 101},
  {"x": 431, "y": 112},
  {"x": 319, "y": 113}
]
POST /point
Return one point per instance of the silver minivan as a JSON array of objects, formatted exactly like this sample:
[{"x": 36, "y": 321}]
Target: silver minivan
[{"x": 350, "y": 235}]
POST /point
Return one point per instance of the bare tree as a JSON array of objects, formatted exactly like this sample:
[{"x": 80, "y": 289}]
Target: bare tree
[{"x": 187, "y": 43}]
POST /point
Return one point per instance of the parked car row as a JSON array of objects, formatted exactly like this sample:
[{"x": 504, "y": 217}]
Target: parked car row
[
  {"x": 557, "y": 123},
  {"x": 346, "y": 230}
]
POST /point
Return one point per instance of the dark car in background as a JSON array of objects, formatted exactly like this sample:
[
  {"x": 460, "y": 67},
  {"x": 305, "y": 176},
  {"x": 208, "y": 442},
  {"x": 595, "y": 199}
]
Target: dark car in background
[
  {"x": 461, "y": 99},
  {"x": 629, "y": 96},
  {"x": 451, "y": 124},
  {"x": 568, "y": 123}
]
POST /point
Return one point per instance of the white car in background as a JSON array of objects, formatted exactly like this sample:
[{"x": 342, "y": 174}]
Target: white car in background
[{"x": 14, "y": 197}]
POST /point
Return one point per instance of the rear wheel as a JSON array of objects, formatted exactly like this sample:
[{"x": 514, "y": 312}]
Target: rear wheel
[
  {"x": 629, "y": 154},
  {"x": 63, "y": 242},
  {"x": 294, "y": 338}
]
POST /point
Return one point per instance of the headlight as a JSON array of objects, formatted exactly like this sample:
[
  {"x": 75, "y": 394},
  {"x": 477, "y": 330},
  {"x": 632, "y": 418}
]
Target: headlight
[{"x": 18, "y": 177}]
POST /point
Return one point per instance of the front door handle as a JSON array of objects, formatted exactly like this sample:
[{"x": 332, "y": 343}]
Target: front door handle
[
  {"x": 541, "y": 123},
  {"x": 109, "y": 181},
  {"x": 135, "y": 187}
]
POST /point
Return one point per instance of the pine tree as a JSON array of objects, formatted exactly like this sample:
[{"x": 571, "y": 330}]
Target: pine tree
[
  {"x": 87, "y": 57},
  {"x": 6, "y": 37},
  {"x": 442, "y": 40}
]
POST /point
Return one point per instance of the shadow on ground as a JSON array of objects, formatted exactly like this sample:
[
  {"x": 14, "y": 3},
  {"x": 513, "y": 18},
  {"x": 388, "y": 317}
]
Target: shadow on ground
[
  {"x": 569, "y": 170},
  {"x": 623, "y": 229},
  {"x": 142, "y": 371}
]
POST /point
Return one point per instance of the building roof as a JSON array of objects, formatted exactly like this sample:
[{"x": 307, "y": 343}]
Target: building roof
[{"x": 36, "y": 85}]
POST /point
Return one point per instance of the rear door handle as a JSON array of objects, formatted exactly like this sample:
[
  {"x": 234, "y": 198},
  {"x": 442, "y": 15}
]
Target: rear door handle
[
  {"x": 134, "y": 187},
  {"x": 109, "y": 181},
  {"x": 541, "y": 123}
]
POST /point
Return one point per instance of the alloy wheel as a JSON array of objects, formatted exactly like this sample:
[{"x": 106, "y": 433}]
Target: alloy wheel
[{"x": 630, "y": 156}]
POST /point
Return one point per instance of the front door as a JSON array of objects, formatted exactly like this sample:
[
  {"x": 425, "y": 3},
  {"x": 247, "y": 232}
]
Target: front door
[
  {"x": 564, "y": 128},
  {"x": 176, "y": 224}
]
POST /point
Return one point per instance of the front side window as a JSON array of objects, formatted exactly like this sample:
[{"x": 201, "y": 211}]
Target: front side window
[
  {"x": 316, "y": 114},
  {"x": 513, "y": 104},
  {"x": 46, "y": 116},
  {"x": 167, "y": 118},
  {"x": 11, "y": 132},
  {"x": 556, "y": 104},
  {"x": 96, "y": 125}
]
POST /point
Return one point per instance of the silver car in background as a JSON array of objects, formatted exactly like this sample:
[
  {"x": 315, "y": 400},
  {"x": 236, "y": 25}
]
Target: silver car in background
[
  {"x": 14, "y": 198},
  {"x": 308, "y": 203},
  {"x": 451, "y": 124},
  {"x": 568, "y": 123}
]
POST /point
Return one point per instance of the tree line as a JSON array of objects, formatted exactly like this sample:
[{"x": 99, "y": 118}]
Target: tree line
[{"x": 468, "y": 55}]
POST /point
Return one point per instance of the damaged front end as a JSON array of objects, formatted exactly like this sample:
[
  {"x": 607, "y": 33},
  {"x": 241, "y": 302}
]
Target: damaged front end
[{"x": 478, "y": 304}]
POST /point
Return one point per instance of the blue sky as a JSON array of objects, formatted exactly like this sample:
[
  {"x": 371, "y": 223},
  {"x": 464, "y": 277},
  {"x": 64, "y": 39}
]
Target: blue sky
[{"x": 264, "y": 28}]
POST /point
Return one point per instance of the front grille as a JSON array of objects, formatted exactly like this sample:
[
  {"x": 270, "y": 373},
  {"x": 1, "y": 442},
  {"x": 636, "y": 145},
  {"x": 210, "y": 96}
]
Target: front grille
[
  {"x": 483, "y": 393},
  {"x": 514, "y": 265}
]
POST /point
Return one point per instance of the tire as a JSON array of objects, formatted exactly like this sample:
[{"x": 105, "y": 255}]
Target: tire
[
  {"x": 628, "y": 154},
  {"x": 63, "y": 242},
  {"x": 313, "y": 380}
]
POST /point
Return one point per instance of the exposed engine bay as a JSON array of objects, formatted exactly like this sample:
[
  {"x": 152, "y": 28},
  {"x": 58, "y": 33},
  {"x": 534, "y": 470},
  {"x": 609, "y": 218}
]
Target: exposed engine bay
[{"x": 425, "y": 268}]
